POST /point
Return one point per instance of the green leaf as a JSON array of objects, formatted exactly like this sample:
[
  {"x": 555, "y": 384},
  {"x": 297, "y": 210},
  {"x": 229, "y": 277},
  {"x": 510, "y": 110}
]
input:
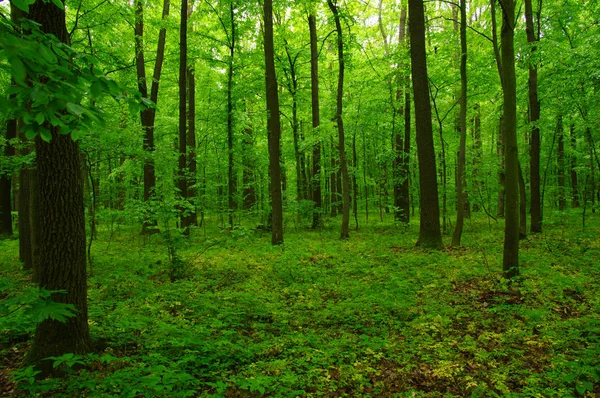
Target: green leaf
[
  {"x": 30, "y": 133},
  {"x": 18, "y": 70},
  {"x": 59, "y": 4},
  {"x": 23, "y": 4},
  {"x": 75, "y": 109},
  {"x": 39, "y": 118},
  {"x": 45, "y": 134},
  {"x": 97, "y": 88},
  {"x": 48, "y": 309}
]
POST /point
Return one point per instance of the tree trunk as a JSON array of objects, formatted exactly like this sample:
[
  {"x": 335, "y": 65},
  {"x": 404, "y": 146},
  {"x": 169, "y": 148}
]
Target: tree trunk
[
  {"x": 510, "y": 264},
  {"x": 316, "y": 121},
  {"x": 534, "y": 116},
  {"x": 345, "y": 230},
  {"x": 148, "y": 115},
  {"x": 273, "y": 127},
  {"x": 249, "y": 200},
  {"x": 501, "y": 170},
  {"x": 192, "y": 192},
  {"x": 477, "y": 159},
  {"x": 562, "y": 200},
  {"x": 231, "y": 180},
  {"x": 429, "y": 231},
  {"x": 522, "y": 205},
  {"x": 574, "y": 185},
  {"x": 460, "y": 215},
  {"x": 62, "y": 227},
  {"x": 401, "y": 212},
  {"x": 182, "y": 177},
  {"x": 6, "y": 227},
  {"x": 24, "y": 208}
]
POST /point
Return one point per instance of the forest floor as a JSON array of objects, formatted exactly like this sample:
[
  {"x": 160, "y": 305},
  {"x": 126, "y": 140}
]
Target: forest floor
[{"x": 372, "y": 316}]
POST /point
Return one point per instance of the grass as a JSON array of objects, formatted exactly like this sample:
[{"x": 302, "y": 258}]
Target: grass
[{"x": 372, "y": 316}]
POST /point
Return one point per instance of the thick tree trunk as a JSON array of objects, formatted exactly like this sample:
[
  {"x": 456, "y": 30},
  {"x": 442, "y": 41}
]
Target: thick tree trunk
[
  {"x": 316, "y": 121},
  {"x": 429, "y": 231},
  {"x": 148, "y": 115},
  {"x": 62, "y": 227},
  {"x": 510, "y": 265},
  {"x": 534, "y": 116},
  {"x": 273, "y": 127},
  {"x": 460, "y": 178},
  {"x": 345, "y": 230}
]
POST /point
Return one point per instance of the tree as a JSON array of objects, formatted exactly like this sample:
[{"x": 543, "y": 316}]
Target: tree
[
  {"x": 183, "y": 137},
  {"x": 510, "y": 264},
  {"x": 460, "y": 178},
  {"x": 148, "y": 115},
  {"x": 534, "y": 116},
  {"x": 62, "y": 225},
  {"x": 273, "y": 127},
  {"x": 316, "y": 121},
  {"x": 430, "y": 235},
  {"x": 345, "y": 232}
]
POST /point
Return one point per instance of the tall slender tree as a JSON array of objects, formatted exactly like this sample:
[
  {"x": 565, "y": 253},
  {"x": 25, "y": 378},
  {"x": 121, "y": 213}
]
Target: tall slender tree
[
  {"x": 345, "y": 230},
  {"x": 510, "y": 264},
  {"x": 534, "y": 116},
  {"x": 148, "y": 115},
  {"x": 460, "y": 178},
  {"x": 316, "y": 121},
  {"x": 273, "y": 127},
  {"x": 182, "y": 177},
  {"x": 430, "y": 235}
]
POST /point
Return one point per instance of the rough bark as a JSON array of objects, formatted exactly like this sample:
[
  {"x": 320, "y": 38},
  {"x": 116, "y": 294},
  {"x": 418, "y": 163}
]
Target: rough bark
[
  {"x": 534, "y": 116},
  {"x": 316, "y": 121},
  {"x": 510, "y": 264},
  {"x": 460, "y": 178},
  {"x": 429, "y": 231},
  {"x": 62, "y": 232},
  {"x": 273, "y": 127},
  {"x": 345, "y": 230}
]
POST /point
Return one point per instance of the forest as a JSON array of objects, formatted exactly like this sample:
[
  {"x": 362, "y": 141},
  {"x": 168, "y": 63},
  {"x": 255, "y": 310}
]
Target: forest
[{"x": 336, "y": 198}]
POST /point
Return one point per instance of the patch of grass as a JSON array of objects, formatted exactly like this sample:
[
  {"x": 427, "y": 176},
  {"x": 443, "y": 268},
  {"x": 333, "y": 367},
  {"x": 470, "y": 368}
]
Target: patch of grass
[{"x": 372, "y": 316}]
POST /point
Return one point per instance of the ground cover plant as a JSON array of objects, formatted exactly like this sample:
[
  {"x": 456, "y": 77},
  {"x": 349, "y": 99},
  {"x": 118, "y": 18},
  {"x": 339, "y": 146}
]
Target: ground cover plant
[{"x": 374, "y": 316}]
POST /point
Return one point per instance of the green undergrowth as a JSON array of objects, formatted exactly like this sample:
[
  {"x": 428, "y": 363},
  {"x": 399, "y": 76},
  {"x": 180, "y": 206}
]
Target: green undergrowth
[{"x": 371, "y": 316}]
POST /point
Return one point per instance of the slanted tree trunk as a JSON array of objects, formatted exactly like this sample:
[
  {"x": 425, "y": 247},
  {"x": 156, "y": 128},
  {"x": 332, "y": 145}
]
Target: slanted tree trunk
[
  {"x": 510, "y": 264},
  {"x": 574, "y": 185},
  {"x": 316, "y": 121},
  {"x": 148, "y": 115},
  {"x": 460, "y": 215},
  {"x": 534, "y": 116},
  {"x": 429, "y": 231},
  {"x": 273, "y": 127},
  {"x": 62, "y": 227},
  {"x": 182, "y": 176},
  {"x": 345, "y": 230}
]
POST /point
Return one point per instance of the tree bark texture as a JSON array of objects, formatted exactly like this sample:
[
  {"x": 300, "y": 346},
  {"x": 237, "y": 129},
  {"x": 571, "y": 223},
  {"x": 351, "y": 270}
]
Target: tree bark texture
[
  {"x": 182, "y": 163},
  {"x": 62, "y": 227},
  {"x": 429, "y": 231}
]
